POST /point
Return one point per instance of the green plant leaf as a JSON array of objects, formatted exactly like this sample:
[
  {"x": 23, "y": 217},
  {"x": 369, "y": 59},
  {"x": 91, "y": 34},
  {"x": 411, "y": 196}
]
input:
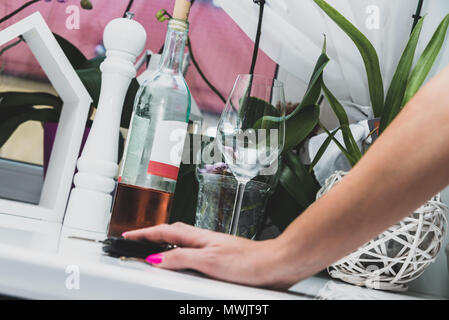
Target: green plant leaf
[
  {"x": 15, "y": 106},
  {"x": 75, "y": 56},
  {"x": 368, "y": 53},
  {"x": 296, "y": 180},
  {"x": 350, "y": 158},
  {"x": 16, "y": 98},
  {"x": 162, "y": 15},
  {"x": 398, "y": 85},
  {"x": 186, "y": 196},
  {"x": 92, "y": 63},
  {"x": 7, "y": 113},
  {"x": 322, "y": 149},
  {"x": 121, "y": 145},
  {"x": 7, "y": 128},
  {"x": 314, "y": 88},
  {"x": 91, "y": 79},
  {"x": 307, "y": 183},
  {"x": 282, "y": 208},
  {"x": 299, "y": 127},
  {"x": 351, "y": 145},
  {"x": 292, "y": 185},
  {"x": 301, "y": 122},
  {"x": 346, "y": 130},
  {"x": 336, "y": 106},
  {"x": 426, "y": 61},
  {"x": 186, "y": 192},
  {"x": 253, "y": 108}
]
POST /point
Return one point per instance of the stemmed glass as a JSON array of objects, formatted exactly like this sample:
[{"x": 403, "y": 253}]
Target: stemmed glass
[{"x": 251, "y": 132}]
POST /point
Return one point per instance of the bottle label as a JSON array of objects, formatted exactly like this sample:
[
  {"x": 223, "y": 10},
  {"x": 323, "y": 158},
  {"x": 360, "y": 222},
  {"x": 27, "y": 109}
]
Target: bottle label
[{"x": 166, "y": 152}]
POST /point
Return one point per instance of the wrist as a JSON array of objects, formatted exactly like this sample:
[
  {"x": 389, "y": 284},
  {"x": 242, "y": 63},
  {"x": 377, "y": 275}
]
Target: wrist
[{"x": 281, "y": 267}]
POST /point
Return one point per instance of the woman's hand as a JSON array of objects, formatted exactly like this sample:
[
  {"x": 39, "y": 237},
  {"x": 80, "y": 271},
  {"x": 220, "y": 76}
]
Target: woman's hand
[{"x": 217, "y": 255}]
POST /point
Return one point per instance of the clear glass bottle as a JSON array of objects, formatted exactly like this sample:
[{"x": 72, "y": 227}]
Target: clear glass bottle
[{"x": 155, "y": 141}]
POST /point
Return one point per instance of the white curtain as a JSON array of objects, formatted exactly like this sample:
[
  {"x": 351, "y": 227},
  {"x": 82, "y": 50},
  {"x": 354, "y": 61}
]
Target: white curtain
[{"x": 292, "y": 36}]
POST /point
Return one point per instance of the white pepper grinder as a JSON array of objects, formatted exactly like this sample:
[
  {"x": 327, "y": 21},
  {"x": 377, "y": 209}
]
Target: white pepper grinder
[{"x": 89, "y": 205}]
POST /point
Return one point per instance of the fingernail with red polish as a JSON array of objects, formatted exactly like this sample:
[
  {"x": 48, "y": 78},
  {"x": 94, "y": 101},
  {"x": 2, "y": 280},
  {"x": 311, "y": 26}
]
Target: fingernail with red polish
[{"x": 154, "y": 258}]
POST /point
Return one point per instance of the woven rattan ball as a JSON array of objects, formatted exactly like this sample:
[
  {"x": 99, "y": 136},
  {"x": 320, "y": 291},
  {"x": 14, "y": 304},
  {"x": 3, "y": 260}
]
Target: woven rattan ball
[{"x": 398, "y": 255}]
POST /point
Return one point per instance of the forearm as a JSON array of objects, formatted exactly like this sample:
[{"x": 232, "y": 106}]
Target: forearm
[{"x": 406, "y": 166}]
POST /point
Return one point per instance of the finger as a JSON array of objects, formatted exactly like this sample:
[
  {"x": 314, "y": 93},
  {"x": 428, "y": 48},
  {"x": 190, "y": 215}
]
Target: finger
[
  {"x": 178, "y": 233},
  {"x": 179, "y": 259}
]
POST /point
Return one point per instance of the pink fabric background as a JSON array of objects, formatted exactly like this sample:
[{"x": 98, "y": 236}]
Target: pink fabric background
[{"x": 220, "y": 46}]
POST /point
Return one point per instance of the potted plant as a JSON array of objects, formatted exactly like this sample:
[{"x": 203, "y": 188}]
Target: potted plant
[
  {"x": 401, "y": 253},
  {"x": 296, "y": 187}
]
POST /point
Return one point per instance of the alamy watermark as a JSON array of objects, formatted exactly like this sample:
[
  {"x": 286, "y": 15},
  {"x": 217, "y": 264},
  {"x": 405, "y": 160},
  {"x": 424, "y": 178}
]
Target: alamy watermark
[
  {"x": 372, "y": 22},
  {"x": 72, "y": 281},
  {"x": 253, "y": 151},
  {"x": 72, "y": 22}
]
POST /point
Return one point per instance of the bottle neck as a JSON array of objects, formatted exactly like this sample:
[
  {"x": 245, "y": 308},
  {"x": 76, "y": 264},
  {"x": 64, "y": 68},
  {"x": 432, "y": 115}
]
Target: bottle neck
[{"x": 175, "y": 42}]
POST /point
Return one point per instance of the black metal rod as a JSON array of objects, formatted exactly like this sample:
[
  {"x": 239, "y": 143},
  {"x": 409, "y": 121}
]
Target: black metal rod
[
  {"x": 128, "y": 7},
  {"x": 276, "y": 71},
  {"x": 417, "y": 15},
  {"x": 261, "y": 4}
]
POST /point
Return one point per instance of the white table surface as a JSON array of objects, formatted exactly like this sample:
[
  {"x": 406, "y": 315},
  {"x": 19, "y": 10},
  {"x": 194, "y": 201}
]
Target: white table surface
[{"x": 37, "y": 260}]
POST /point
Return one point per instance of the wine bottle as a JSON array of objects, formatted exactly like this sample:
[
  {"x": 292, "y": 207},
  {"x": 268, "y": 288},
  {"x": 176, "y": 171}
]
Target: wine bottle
[{"x": 156, "y": 137}]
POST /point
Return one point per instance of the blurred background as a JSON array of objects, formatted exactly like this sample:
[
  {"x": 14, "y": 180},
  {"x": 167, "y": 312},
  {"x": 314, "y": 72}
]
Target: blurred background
[{"x": 220, "y": 47}]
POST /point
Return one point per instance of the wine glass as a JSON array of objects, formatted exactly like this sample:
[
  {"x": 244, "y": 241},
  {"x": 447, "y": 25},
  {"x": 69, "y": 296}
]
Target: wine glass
[{"x": 251, "y": 132}]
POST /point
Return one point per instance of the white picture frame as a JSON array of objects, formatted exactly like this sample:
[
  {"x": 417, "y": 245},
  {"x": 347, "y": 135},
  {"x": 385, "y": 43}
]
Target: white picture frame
[{"x": 76, "y": 103}]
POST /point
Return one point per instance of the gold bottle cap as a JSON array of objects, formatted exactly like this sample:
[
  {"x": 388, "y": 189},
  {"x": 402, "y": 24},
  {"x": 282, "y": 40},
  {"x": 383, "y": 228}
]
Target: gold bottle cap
[{"x": 182, "y": 9}]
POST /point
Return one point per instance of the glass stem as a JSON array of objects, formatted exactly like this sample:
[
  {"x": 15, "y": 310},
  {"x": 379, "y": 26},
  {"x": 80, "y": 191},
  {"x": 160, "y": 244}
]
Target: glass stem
[{"x": 237, "y": 206}]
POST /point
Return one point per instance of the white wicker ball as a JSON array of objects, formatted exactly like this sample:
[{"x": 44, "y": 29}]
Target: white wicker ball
[{"x": 398, "y": 255}]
